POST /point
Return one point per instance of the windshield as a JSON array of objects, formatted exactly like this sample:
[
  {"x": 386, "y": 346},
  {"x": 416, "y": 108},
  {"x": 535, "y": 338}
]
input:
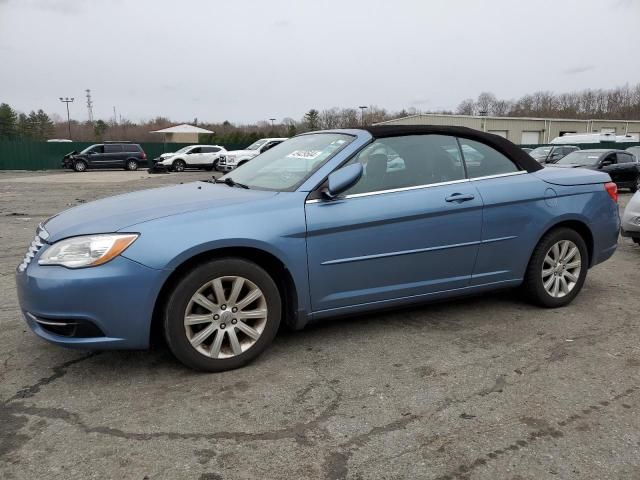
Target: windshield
[
  {"x": 89, "y": 149},
  {"x": 579, "y": 158},
  {"x": 540, "y": 152},
  {"x": 286, "y": 166},
  {"x": 183, "y": 149},
  {"x": 257, "y": 144}
]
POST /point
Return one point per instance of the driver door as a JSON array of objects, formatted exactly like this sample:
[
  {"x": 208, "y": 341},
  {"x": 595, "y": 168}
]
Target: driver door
[{"x": 400, "y": 232}]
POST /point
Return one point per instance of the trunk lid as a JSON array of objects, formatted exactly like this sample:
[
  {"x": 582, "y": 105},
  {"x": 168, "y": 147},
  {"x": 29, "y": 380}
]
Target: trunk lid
[{"x": 571, "y": 176}]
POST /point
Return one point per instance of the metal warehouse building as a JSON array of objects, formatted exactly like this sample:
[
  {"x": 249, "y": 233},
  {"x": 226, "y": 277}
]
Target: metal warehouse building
[{"x": 522, "y": 130}]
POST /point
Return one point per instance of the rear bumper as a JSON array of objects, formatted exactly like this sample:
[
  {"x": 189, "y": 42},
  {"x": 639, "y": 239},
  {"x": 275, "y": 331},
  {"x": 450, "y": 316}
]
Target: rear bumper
[{"x": 117, "y": 299}]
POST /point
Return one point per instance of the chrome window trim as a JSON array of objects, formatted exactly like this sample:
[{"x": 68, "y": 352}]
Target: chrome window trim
[
  {"x": 510, "y": 174},
  {"x": 429, "y": 185}
]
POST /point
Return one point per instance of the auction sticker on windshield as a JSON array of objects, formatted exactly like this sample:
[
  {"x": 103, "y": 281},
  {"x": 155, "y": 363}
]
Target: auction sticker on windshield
[{"x": 305, "y": 154}]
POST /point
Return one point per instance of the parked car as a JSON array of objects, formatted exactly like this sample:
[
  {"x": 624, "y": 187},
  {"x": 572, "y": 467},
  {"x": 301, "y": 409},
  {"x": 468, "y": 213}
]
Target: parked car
[
  {"x": 631, "y": 219},
  {"x": 551, "y": 154},
  {"x": 635, "y": 151},
  {"x": 125, "y": 155},
  {"x": 235, "y": 158},
  {"x": 621, "y": 165},
  {"x": 305, "y": 232},
  {"x": 192, "y": 156}
]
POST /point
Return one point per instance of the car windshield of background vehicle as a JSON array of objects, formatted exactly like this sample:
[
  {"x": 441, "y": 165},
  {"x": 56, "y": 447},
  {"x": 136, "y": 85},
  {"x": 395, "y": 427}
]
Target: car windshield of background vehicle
[
  {"x": 257, "y": 144},
  {"x": 287, "y": 165},
  {"x": 540, "y": 152},
  {"x": 580, "y": 158},
  {"x": 89, "y": 149}
]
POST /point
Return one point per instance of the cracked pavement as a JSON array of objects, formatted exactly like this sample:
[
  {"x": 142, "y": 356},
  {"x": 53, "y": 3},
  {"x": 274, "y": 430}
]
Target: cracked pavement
[{"x": 480, "y": 388}]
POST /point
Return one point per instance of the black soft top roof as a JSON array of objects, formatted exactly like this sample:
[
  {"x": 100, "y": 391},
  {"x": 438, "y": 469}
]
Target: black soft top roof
[{"x": 504, "y": 146}]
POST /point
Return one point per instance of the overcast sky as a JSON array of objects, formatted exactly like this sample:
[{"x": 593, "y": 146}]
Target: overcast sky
[{"x": 246, "y": 61}]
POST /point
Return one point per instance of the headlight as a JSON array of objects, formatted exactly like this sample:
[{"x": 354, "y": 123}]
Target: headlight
[{"x": 86, "y": 251}]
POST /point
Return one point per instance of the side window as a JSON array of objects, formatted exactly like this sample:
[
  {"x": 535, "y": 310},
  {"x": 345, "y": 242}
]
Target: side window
[
  {"x": 215, "y": 149},
  {"x": 112, "y": 148},
  {"x": 131, "y": 148},
  {"x": 408, "y": 161},
  {"x": 624, "y": 158},
  {"x": 195, "y": 150},
  {"x": 205, "y": 150},
  {"x": 97, "y": 149},
  {"x": 611, "y": 158},
  {"x": 482, "y": 160}
]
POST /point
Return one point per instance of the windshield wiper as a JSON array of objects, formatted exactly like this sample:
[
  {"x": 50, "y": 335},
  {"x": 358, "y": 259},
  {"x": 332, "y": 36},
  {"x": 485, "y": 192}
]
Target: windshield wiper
[{"x": 232, "y": 183}]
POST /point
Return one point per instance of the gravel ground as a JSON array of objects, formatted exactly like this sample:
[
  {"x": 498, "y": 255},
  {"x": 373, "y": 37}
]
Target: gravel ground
[{"x": 481, "y": 388}]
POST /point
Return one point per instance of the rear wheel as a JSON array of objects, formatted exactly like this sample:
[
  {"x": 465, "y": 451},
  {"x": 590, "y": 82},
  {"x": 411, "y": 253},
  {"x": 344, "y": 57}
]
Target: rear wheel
[
  {"x": 557, "y": 269},
  {"x": 634, "y": 188},
  {"x": 179, "y": 166},
  {"x": 79, "y": 165},
  {"x": 222, "y": 314},
  {"x": 131, "y": 165}
]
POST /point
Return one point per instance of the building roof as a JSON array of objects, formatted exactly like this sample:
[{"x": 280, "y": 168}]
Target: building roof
[
  {"x": 504, "y": 146},
  {"x": 183, "y": 128},
  {"x": 490, "y": 117}
]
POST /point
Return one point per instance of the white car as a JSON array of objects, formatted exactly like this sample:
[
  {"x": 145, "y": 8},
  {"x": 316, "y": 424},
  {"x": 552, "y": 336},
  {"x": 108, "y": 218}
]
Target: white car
[
  {"x": 195, "y": 156},
  {"x": 234, "y": 158}
]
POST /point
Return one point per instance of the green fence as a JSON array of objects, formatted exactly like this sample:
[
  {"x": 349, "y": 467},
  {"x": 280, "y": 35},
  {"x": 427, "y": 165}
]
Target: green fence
[{"x": 21, "y": 155}]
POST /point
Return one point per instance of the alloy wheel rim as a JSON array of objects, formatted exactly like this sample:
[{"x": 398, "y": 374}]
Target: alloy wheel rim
[
  {"x": 179, "y": 167},
  {"x": 132, "y": 165},
  {"x": 225, "y": 317},
  {"x": 561, "y": 268}
]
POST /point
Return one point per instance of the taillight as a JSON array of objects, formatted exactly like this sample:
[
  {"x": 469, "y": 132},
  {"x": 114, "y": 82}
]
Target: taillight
[
  {"x": 144, "y": 156},
  {"x": 612, "y": 190}
]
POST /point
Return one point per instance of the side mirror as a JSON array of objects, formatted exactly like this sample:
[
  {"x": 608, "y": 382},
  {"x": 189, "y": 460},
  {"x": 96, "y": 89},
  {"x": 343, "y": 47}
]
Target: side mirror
[{"x": 343, "y": 179}]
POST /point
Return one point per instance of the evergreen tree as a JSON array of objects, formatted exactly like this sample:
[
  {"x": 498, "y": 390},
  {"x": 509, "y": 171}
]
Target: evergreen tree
[
  {"x": 8, "y": 122},
  {"x": 99, "y": 129},
  {"x": 23, "y": 127},
  {"x": 312, "y": 119}
]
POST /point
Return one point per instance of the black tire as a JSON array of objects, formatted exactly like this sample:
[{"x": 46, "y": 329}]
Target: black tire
[
  {"x": 634, "y": 188},
  {"x": 131, "y": 165},
  {"x": 178, "y": 166},
  {"x": 80, "y": 166},
  {"x": 215, "y": 164},
  {"x": 533, "y": 285},
  {"x": 179, "y": 298},
  {"x": 636, "y": 240}
]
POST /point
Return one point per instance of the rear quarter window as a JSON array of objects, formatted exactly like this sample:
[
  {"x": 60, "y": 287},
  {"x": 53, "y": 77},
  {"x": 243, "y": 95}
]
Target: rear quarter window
[
  {"x": 131, "y": 148},
  {"x": 483, "y": 161},
  {"x": 112, "y": 148}
]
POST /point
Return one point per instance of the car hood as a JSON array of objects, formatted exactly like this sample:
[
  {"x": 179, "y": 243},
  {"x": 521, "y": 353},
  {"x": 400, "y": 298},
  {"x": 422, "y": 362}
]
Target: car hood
[
  {"x": 241, "y": 152},
  {"x": 113, "y": 214}
]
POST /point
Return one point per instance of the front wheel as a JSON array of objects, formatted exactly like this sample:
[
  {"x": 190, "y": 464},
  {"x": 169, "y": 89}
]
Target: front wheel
[
  {"x": 557, "y": 269},
  {"x": 222, "y": 314},
  {"x": 179, "y": 166},
  {"x": 80, "y": 166}
]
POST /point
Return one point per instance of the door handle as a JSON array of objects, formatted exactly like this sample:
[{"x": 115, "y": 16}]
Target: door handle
[{"x": 459, "y": 197}]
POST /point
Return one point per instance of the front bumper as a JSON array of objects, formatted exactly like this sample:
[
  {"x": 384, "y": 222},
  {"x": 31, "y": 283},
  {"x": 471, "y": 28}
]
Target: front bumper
[
  {"x": 157, "y": 167},
  {"x": 116, "y": 298}
]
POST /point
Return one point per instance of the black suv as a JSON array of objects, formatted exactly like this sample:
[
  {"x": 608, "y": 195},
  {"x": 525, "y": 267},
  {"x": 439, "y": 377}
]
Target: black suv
[{"x": 125, "y": 155}]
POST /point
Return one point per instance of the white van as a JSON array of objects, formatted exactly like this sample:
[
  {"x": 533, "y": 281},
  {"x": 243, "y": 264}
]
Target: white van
[{"x": 575, "y": 138}]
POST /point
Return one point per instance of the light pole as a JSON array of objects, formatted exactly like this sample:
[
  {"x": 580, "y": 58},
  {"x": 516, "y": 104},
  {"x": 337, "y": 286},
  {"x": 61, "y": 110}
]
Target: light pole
[
  {"x": 67, "y": 100},
  {"x": 362, "y": 109},
  {"x": 272, "y": 120}
]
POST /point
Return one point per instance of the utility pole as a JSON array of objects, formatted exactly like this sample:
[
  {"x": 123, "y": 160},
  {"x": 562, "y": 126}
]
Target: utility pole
[
  {"x": 362, "y": 109},
  {"x": 115, "y": 117},
  {"x": 89, "y": 105},
  {"x": 67, "y": 100},
  {"x": 272, "y": 120}
]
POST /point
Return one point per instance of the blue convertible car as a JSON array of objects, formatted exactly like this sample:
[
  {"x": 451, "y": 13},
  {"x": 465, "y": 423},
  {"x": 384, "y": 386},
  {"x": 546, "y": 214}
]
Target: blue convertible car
[{"x": 325, "y": 224}]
